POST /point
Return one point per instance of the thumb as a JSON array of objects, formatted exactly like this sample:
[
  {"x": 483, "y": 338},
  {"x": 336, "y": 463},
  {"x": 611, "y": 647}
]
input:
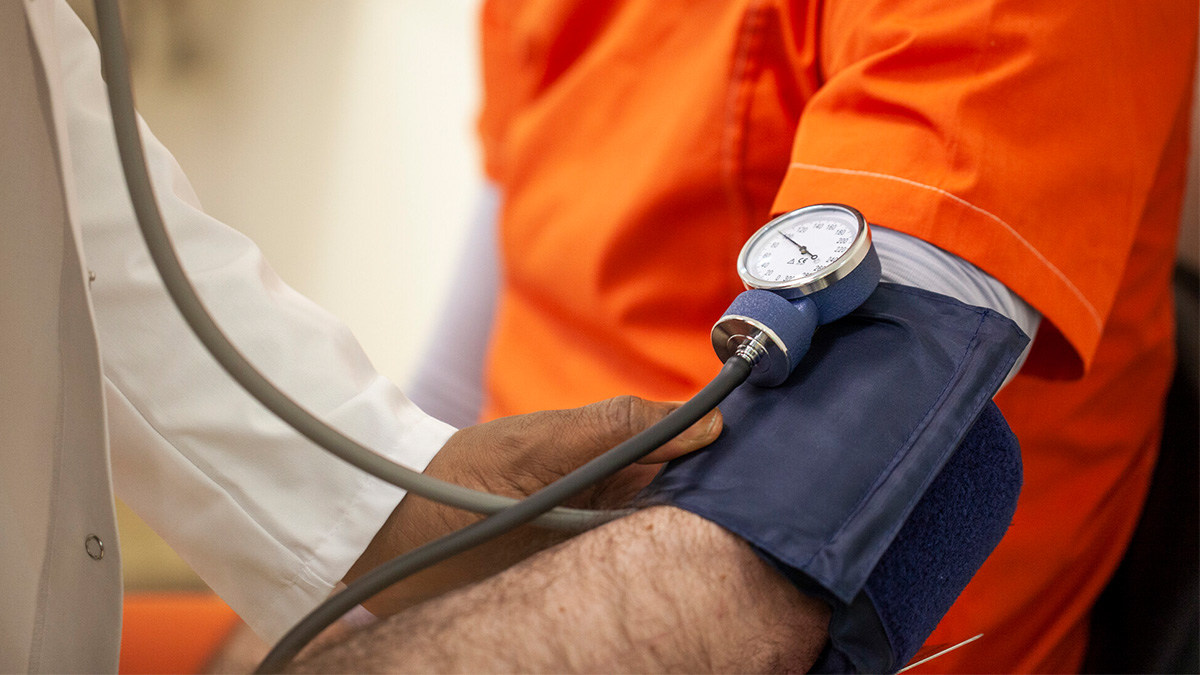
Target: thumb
[
  {"x": 612, "y": 421},
  {"x": 521, "y": 454}
]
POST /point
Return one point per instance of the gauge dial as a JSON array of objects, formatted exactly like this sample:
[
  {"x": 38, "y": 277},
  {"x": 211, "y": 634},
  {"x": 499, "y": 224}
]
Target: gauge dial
[{"x": 805, "y": 250}]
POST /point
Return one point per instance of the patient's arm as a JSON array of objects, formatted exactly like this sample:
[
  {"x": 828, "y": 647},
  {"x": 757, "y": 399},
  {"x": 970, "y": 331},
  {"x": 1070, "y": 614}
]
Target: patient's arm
[{"x": 660, "y": 590}]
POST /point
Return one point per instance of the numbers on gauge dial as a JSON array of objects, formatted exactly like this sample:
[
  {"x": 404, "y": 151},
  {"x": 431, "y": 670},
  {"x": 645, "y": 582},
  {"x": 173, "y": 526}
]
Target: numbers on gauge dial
[{"x": 801, "y": 249}]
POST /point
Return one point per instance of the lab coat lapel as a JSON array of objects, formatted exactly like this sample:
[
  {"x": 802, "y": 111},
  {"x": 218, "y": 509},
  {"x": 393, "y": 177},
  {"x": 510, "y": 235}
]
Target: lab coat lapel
[{"x": 62, "y": 597}]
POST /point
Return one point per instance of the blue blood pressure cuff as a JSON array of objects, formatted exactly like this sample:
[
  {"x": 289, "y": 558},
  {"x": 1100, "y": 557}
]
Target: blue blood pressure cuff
[{"x": 878, "y": 477}]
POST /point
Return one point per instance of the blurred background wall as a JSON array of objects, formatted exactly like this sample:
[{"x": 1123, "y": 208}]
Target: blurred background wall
[{"x": 339, "y": 135}]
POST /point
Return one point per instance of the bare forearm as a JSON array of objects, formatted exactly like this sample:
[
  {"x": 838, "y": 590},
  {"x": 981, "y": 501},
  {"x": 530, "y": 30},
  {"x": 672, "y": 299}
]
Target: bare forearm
[{"x": 661, "y": 590}]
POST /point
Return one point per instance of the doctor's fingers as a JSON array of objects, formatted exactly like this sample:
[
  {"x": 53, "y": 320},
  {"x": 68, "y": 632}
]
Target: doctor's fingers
[
  {"x": 541, "y": 447},
  {"x": 603, "y": 425}
]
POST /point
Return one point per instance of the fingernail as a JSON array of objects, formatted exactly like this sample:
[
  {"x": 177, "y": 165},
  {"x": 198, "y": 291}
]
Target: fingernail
[{"x": 700, "y": 432}]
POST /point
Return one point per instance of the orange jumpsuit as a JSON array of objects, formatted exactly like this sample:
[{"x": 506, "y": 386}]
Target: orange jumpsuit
[{"x": 637, "y": 145}]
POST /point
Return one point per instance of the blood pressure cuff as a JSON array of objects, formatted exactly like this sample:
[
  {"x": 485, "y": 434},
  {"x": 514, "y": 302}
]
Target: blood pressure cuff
[{"x": 846, "y": 477}]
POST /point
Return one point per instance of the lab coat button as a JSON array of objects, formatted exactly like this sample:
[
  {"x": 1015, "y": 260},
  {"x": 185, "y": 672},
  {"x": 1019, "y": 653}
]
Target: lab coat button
[
  {"x": 91, "y": 276},
  {"x": 94, "y": 547}
]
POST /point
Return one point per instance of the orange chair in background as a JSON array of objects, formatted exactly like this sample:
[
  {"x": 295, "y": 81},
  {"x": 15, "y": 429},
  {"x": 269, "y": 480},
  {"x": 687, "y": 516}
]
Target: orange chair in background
[{"x": 172, "y": 632}]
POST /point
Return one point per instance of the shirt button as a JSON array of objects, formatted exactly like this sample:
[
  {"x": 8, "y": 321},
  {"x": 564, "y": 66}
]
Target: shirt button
[{"x": 94, "y": 547}]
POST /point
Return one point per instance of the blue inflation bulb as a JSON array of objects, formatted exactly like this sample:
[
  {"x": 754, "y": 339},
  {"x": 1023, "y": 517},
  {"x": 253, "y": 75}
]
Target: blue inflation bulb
[{"x": 778, "y": 330}]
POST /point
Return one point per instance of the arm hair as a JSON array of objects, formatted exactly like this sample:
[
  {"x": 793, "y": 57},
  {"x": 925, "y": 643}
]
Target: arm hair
[{"x": 660, "y": 590}]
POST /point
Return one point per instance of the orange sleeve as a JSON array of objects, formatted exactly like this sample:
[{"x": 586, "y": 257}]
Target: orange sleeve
[{"x": 1022, "y": 135}]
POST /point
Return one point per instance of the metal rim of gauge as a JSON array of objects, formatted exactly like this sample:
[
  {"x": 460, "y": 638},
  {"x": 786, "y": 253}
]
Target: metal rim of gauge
[{"x": 821, "y": 278}]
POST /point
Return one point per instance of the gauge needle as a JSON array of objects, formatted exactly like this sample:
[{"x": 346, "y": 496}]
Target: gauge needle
[{"x": 803, "y": 250}]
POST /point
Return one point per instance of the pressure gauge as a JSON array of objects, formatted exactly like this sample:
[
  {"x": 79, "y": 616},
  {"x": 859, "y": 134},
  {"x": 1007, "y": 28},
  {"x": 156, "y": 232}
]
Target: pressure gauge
[
  {"x": 803, "y": 269},
  {"x": 806, "y": 250}
]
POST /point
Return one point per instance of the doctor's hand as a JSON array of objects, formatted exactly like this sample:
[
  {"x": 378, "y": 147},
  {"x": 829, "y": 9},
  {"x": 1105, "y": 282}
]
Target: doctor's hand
[{"x": 515, "y": 457}]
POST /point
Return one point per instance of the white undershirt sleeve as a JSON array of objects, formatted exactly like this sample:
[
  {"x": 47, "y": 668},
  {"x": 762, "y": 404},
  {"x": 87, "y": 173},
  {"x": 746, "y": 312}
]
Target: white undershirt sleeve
[{"x": 913, "y": 262}]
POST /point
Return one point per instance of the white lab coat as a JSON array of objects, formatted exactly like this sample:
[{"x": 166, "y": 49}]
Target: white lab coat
[{"x": 270, "y": 522}]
